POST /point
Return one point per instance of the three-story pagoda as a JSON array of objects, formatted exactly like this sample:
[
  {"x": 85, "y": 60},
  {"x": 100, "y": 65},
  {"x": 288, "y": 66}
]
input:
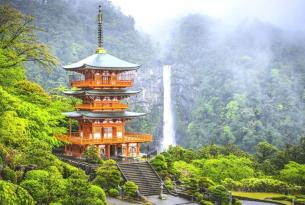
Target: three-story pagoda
[{"x": 102, "y": 115}]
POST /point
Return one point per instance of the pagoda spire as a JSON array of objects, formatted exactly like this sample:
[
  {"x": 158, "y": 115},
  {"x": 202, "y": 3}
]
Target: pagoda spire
[{"x": 100, "y": 49}]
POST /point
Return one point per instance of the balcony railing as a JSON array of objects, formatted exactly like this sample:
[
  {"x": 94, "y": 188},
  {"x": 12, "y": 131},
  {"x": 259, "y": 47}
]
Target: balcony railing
[
  {"x": 103, "y": 106},
  {"x": 75, "y": 138},
  {"x": 102, "y": 84}
]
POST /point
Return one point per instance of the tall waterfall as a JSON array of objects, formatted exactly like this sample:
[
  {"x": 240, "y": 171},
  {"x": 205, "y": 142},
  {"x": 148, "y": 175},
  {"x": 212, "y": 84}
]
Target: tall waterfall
[{"x": 168, "y": 122}]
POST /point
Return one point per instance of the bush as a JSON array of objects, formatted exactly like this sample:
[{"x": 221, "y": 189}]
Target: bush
[
  {"x": 168, "y": 183},
  {"x": 113, "y": 192},
  {"x": 205, "y": 202},
  {"x": 9, "y": 175},
  {"x": 205, "y": 182},
  {"x": 37, "y": 190},
  {"x": 159, "y": 163},
  {"x": 219, "y": 192},
  {"x": 108, "y": 175},
  {"x": 14, "y": 194},
  {"x": 91, "y": 156},
  {"x": 130, "y": 189},
  {"x": 264, "y": 185},
  {"x": 198, "y": 196},
  {"x": 231, "y": 184},
  {"x": 238, "y": 202}
]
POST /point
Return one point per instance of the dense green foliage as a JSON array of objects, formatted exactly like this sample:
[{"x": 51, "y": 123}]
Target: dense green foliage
[
  {"x": 108, "y": 176},
  {"x": 209, "y": 172},
  {"x": 130, "y": 189},
  {"x": 12, "y": 194},
  {"x": 30, "y": 120},
  {"x": 91, "y": 156},
  {"x": 238, "y": 87}
]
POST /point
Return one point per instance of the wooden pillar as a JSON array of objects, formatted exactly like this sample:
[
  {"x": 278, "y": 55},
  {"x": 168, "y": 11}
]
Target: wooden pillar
[
  {"x": 138, "y": 149},
  {"x": 127, "y": 150},
  {"x": 65, "y": 149},
  {"x": 108, "y": 150}
]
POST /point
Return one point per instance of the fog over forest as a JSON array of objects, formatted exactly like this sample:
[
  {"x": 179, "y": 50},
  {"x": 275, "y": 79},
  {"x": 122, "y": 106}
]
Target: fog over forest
[
  {"x": 223, "y": 81},
  {"x": 238, "y": 68}
]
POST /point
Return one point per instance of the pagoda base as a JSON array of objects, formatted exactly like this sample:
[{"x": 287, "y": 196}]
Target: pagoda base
[{"x": 127, "y": 150}]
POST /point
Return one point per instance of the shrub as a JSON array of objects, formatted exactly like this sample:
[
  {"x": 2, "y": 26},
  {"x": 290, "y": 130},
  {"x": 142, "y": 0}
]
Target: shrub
[
  {"x": 205, "y": 182},
  {"x": 9, "y": 175},
  {"x": 113, "y": 192},
  {"x": 219, "y": 192},
  {"x": 159, "y": 163},
  {"x": 293, "y": 173},
  {"x": 14, "y": 194},
  {"x": 37, "y": 190},
  {"x": 108, "y": 175},
  {"x": 264, "y": 185},
  {"x": 130, "y": 189},
  {"x": 69, "y": 170},
  {"x": 205, "y": 202},
  {"x": 168, "y": 183},
  {"x": 238, "y": 202},
  {"x": 198, "y": 196},
  {"x": 91, "y": 156},
  {"x": 231, "y": 184}
]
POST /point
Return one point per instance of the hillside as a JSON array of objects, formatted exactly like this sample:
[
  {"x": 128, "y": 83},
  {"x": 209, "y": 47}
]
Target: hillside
[{"x": 237, "y": 86}]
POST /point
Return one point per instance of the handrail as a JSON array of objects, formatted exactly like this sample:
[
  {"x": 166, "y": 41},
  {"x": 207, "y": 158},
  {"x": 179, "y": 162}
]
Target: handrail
[
  {"x": 133, "y": 138},
  {"x": 159, "y": 177},
  {"x": 102, "y": 106},
  {"x": 106, "y": 83}
]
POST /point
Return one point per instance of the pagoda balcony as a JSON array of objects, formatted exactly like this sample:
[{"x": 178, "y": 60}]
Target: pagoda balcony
[
  {"x": 75, "y": 138},
  {"x": 108, "y": 105},
  {"x": 102, "y": 84}
]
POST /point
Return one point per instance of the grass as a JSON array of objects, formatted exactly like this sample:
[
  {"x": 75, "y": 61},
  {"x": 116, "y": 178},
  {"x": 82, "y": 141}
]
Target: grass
[{"x": 260, "y": 196}]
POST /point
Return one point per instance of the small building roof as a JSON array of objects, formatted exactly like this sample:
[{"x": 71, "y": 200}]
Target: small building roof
[
  {"x": 119, "y": 92},
  {"x": 102, "y": 61},
  {"x": 99, "y": 115}
]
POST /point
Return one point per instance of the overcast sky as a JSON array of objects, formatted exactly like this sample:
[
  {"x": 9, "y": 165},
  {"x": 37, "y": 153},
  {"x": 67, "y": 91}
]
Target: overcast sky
[{"x": 151, "y": 15}]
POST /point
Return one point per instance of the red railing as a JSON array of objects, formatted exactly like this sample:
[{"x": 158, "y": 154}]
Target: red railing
[
  {"x": 75, "y": 138},
  {"x": 100, "y": 84},
  {"x": 103, "y": 106}
]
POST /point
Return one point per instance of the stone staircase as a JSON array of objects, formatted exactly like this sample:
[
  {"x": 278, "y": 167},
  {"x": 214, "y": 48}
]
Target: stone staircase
[{"x": 143, "y": 175}]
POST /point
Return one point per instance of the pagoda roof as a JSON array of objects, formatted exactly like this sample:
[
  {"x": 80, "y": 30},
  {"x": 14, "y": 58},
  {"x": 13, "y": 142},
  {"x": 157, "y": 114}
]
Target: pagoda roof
[
  {"x": 102, "y": 61},
  {"x": 98, "y": 115},
  {"x": 103, "y": 92}
]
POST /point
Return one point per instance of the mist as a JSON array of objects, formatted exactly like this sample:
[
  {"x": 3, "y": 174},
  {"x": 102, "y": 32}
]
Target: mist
[{"x": 237, "y": 67}]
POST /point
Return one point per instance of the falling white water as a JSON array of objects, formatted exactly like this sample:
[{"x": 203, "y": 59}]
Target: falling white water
[{"x": 168, "y": 123}]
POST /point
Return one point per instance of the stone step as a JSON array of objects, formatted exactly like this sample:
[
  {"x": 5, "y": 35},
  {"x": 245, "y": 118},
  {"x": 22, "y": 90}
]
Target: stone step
[{"x": 144, "y": 176}]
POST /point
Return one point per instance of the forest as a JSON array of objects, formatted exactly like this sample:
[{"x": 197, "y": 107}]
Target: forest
[{"x": 238, "y": 98}]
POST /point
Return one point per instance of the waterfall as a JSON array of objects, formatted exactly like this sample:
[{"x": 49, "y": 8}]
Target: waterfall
[{"x": 168, "y": 123}]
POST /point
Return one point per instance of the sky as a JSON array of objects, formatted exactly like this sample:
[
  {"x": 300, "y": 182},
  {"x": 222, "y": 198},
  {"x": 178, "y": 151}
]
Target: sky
[{"x": 153, "y": 16}]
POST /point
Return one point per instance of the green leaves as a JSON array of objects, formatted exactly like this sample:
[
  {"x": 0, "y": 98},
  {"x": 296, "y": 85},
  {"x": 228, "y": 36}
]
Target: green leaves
[
  {"x": 11, "y": 194},
  {"x": 293, "y": 173},
  {"x": 19, "y": 42},
  {"x": 107, "y": 175},
  {"x": 130, "y": 189}
]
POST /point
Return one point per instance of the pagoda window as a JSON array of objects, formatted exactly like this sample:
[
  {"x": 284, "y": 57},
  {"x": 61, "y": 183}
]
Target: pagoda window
[
  {"x": 105, "y": 77},
  {"x": 98, "y": 78},
  {"x": 97, "y": 132},
  {"x": 119, "y": 132},
  {"x": 107, "y": 132}
]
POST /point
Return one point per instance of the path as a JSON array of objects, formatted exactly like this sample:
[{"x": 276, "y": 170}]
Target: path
[
  {"x": 170, "y": 200},
  {"x": 115, "y": 201}
]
